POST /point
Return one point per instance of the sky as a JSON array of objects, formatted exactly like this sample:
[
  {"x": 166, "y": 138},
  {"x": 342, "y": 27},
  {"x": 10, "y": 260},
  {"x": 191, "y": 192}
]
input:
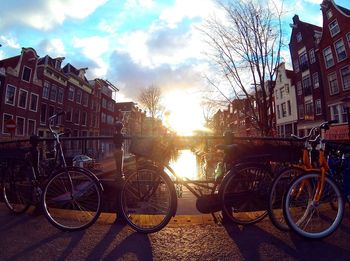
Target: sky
[{"x": 132, "y": 43}]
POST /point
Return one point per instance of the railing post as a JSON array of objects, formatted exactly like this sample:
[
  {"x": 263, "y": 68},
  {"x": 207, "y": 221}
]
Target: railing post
[
  {"x": 119, "y": 158},
  {"x": 34, "y": 141}
]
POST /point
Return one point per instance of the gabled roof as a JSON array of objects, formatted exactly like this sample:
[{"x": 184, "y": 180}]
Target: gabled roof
[{"x": 10, "y": 62}]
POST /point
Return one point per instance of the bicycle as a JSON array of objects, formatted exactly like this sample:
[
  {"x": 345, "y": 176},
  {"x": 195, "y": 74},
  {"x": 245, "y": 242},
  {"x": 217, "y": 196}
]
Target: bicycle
[
  {"x": 149, "y": 200},
  {"x": 70, "y": 197},
  {"x": 285, "y": 176},
  {"x": 313, "y": 205}
]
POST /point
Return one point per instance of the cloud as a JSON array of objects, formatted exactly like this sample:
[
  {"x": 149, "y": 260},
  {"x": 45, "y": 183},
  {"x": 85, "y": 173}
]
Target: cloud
[
  {"x": 9, "y": 41},
  {"x": 45, "y": 14},
  {"x": 131, "y": 77},
  {"x": 53, "y": 47}
]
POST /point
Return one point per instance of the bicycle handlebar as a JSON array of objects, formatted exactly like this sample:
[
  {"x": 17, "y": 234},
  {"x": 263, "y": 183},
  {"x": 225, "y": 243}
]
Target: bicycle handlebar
[{"x": 323, "y": 125}]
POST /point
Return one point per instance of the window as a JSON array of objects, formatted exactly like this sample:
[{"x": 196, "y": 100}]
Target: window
[
  {"x": 84, "y": 118},
  {"x": 71, "y": 94},
  {"x": 76, "y": 116},
  {"x": 345, "y": 77},
  {"x": 276, "y": 95},
  {"x": 340, "y": 50},
  {"x": 315, "y": 80},
  {"x": 333, "y": 84},
  {"x": 104, "y": 103},
  {"x": 282, "y": 92},
  {"x": 344, "y": 116},
  {"x": 53, "y": 94},
  {"x": 46, "y": 90},
  {"x": 43, "y": 110},
  {"x": 103, "y": 117},
  {"x": 328, "y": 57},
  {"x": 60, "y": 95},
  {"x": 335, "y": 113},
  {"x": 10, "y": 95},
  {"x": 278, "y": 112},
  {"x": 334, "y": 28},
  {"x": 307, "y": 85},
  {"x": 289, "y": 107},
  {"x": 286, "y": 88},
  {"x": 296, "y": 66},
  {"x": 34, "y": 98},
  {"x": 318, "y": 107},
  {"x": 85, "y": 99},
  {"x": 69, "y": 114},
  {"x": 309, "y": 110},
  {"x": 299, "y": 37},
  {"x": 284, "y": 110},
  {"x": 31, "y": 127},
  {"x": 329, "y": 14},
  {"x": 348, "y": 37},
  {"x": 51, "y": 111},
  {"x": 299, "y": 88},
  {"x": 301, "y": 111},
  {"x": 5, "y": 118},
  {"x": 22, "y": 99},
  {"x": 20, "y": 126},
  {"x": 26, "y": 74},
  {"x": 303, "y": 61},
  {"x": 312, "y": 56},
  {"x": 78, "y": 96}
]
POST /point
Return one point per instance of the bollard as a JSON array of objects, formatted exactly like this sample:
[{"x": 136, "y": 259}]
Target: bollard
[{"x": 118, "y": 140}]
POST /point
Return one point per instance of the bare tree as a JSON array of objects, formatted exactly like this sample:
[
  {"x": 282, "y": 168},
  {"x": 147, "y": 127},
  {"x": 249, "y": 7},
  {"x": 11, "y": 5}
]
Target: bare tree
[
  {"x": 150, "y": 100},
  {"x": 246, "y": 49}
]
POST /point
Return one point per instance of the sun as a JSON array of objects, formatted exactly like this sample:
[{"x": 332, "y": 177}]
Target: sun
[{"x": 184, "y": 113}]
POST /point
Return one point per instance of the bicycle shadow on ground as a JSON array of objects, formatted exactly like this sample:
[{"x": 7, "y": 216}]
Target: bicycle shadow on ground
[
  {"x": 255, "y": 240},
  {"x": 137, "y": 245},
  {"x": 75, "y": 238}
]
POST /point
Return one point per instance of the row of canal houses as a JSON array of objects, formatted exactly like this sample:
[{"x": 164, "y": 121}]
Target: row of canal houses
[
  {"x": 317, "y": 87},
  {"x": 33, "y": 88}
]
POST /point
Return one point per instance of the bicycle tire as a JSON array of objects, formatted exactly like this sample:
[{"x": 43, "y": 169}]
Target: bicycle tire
[
  {"x": 306, "y": 217},
  {"x": 17, "y": 187},
  {"x": 148, "y": 200},
  {"x": 72, "y": 209},
  {"x": 278, "y": 188},
  {"x": 244, "y": 193}
]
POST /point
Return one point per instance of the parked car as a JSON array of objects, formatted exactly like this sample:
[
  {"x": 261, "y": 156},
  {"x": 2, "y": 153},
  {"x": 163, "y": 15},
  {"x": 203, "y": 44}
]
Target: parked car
[{"x": 83, "y": 161}]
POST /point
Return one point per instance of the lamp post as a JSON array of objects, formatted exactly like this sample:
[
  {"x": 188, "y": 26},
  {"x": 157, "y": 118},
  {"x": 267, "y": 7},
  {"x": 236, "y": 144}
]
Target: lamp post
[{"x": 346, "y": 101}]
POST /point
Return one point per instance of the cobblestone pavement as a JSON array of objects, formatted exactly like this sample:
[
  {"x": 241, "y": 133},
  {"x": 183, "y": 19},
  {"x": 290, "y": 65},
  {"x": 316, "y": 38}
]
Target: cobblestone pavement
[{"x": 29, "y": 237}]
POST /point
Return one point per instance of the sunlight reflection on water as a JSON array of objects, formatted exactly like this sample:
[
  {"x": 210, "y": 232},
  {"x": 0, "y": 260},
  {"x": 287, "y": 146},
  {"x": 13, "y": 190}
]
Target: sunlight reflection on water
[{"x": 186, "y": 165}]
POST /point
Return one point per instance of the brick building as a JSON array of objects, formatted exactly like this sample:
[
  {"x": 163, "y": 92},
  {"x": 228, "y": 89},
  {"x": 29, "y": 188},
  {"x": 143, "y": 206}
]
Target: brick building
[{"x": 307, "y": 74}]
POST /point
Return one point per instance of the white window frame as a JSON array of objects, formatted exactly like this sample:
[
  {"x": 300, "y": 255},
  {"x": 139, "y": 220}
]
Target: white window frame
[
  {"x": 329, "y": 84},
  {"x": 60, "y": 91},
  {"x": 342, "y": 79},
  {"x": 343, "y": 50},
  {"x": 331, "y": 28},
  {"x": 328, "y": 54},
  {"x": 17, "y": 126},
  {"x": 78, "y": 98},
  {"x": 30, "y": 73},
  {"x": 43, "y": 122},
  {"x": 71, "y": 89},
  {"x": 37, "y": 101},
  {"x": 53, "y": 98},
  {"x": 318, "y": 104},
  {"x": 19, "y": 98},
  {"x": 312, "y": 56},
  {"x": 14, "y": 95},
  {"x": 32, "y": 120},
  {"x": 329, "y": 14},
  {"x": 3, "y": 123},
  {"x": 299, "y": 37},
  {"x": 46, "y": 90},
  {"x": 315, "y": 76}
]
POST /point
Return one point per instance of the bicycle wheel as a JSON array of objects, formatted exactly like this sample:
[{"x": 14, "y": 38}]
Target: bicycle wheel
[
  {"x": 310, "y": 218},
  {"x": 244, "y": 193},
  {"x": 278, "y": 188},
  {"x": 72, "y": 199},
  {"x": 148, "y": 200},
  {"x": 17, "y": 188}
]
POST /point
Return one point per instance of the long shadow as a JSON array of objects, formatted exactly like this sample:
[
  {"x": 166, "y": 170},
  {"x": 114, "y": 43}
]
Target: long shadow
[
  {"x": 137, "y": 244},
  {"x": 75, "y": 238},
  {"x": 250, "y": 239},
  {"x": 102, "y": 246},
  {"x": 12, "y": 221}
]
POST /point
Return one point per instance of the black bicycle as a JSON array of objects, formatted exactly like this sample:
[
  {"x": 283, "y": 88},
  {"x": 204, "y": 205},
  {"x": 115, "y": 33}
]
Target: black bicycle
[{"x": 70, "y": 197}]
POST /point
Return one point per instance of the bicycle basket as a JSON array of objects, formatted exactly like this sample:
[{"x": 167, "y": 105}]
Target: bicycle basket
[{"x": 152, "y": 148}]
